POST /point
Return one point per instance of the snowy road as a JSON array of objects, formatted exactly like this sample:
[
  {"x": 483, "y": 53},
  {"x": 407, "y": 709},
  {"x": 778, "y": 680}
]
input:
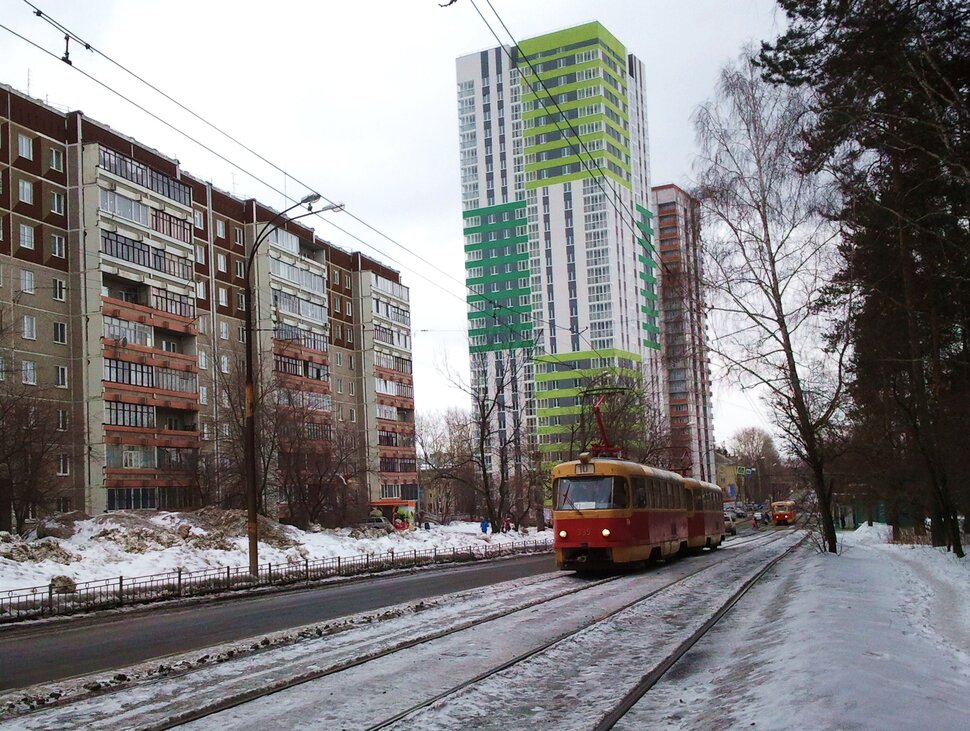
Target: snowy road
[{"x": 581, "y": 670}]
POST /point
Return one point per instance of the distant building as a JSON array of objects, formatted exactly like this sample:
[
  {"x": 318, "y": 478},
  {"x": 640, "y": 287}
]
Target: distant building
[
  {"x": 123, "y": 279},
  {"x": 685, "y": 350}
]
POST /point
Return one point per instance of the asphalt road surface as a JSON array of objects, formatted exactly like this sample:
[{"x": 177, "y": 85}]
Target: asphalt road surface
[{"x": 45, "y": 652}]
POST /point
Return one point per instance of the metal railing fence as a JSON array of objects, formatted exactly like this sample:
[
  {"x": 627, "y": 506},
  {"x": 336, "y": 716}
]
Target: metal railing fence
[{"x": 61, "y": 598}]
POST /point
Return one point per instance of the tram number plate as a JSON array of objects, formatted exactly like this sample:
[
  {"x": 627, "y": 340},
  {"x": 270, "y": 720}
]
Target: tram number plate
[{"x": 585, "y": 469}]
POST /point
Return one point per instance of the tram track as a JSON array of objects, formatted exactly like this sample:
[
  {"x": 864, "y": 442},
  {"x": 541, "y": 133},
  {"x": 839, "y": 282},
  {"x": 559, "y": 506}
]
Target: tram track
[
  {"x": 494, "y": 671},
  {"x": 649, "y": 680},
  {"x": 160, "y": 718}
]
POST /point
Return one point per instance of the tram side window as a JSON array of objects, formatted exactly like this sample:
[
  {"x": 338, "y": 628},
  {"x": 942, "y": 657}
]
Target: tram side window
[
  {"x": 639, "y": 487},
  {"x": 620, "y": 495}
]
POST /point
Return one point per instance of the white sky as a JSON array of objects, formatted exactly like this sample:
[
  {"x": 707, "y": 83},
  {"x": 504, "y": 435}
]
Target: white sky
[
  {"x": 357, "y": 99},
  {"x": 874, "y": 638}
]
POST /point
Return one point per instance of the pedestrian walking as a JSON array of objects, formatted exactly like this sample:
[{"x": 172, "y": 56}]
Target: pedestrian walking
[{"x": 484, "y": 526}]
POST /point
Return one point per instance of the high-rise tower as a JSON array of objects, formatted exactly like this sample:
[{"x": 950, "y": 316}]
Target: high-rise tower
[
  {"x": 560, "y": 263},
  {"x": 685, "y": 333}
]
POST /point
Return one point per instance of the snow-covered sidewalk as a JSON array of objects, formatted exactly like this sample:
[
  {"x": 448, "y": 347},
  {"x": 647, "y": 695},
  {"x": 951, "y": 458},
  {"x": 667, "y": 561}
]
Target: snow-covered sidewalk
[{"x": 875, "y": 638}]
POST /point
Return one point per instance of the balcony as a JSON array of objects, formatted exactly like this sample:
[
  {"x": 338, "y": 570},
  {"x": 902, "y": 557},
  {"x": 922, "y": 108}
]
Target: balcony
[{"x": 139, "y": 174}]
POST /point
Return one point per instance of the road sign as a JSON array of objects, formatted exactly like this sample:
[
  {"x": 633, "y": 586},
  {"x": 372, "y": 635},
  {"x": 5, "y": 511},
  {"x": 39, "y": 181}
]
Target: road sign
[
  {"x": 739, "y": 471},
  {"x": 748, "y": 471}
]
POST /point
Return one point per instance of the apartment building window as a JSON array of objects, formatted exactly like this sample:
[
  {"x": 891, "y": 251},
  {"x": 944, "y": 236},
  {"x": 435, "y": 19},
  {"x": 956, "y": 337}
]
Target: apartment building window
[
  {"x": 199, "y": 254},
  {"x": 197, "y": 215},
  {"x": 2, "y": 369},
  {"x": 240, "y": 268},
  {"x": 60, "y": 333},
  {"x": 60, "y": 376},
  {"x": 57, "y": 246},
  {"x": 57, "y": 159},
  {"x": 26, "y": 236},
  {"x": 200, "y": 290},
  {"x": 26, "y": 191},
  {"x": 26, "y": 281},
  {"x": 224, "y": 363},
  {"x": 339, "y": 359},
  {"x": 352, "y": 388},
  {"x": 221, "y": 262},
  {"x": 350, "y": 334},
  {"x": 62, "y": 420},
  {"x": 220, "y": 229},
  {"x": 59, "y": 290},
  {"x": 223, "y": 330},
  {"x": 237, "y": 234},
  {"x": 25, "y": 147},
  {"x": 28, "y": 372},
  {"x": 339, "y": 385},
  {"x": 205, "y": 432},
  {"x": 63, "y": 464},
  {"x": 240, "y": 300},
  {"x": 223, "y": 297},
  {"x": 57, "y": 203},
  {"x": 241, "y": 334},
  {"x": 353, "y": 414},
  {"x": 29, "y": 327},
  {"x": 203, "y": 360},
  {"x": 203, "y": 394}
]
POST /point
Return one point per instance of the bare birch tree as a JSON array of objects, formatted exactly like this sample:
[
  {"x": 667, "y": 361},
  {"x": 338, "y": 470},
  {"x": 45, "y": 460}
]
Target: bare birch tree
[{"x": 769, "y": 251}]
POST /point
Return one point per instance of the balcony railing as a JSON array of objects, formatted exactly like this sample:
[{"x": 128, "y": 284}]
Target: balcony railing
[
  {"x": 143, "y": 254},
  {"x": 144, "y": 176}
]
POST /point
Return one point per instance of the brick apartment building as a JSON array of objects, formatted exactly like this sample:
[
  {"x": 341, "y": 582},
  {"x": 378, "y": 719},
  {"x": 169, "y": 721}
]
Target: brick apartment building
[{"x": 122, "y": 303}]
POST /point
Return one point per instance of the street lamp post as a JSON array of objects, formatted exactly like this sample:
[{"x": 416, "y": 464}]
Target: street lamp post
[{"x": 250, "y": 425}]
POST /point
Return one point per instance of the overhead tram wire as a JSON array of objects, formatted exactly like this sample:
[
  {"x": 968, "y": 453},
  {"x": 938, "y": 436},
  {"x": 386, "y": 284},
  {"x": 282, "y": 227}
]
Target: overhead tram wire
[
  {"x": 609, "y": 195},
  {"x": 491, "y": 307},
  {"x": 64, "y": 29},
  {"x": 612, "y": 195}
]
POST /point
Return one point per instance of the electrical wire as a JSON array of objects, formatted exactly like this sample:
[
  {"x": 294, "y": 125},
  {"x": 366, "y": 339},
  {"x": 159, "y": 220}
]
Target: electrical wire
[
  {"x": 613, "y": 195},
  {"x": 488, "y": 306},
  {"x": 492, "y": 305}
]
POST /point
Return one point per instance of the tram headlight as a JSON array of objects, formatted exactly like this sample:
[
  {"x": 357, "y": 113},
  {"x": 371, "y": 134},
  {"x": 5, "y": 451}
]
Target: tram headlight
[
  {"x": 606, "y": 533},
  {"x": 562, "y": 534}
]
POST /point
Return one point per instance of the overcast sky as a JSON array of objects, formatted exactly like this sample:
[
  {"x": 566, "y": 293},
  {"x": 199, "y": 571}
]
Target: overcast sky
[{"x": 357, "y": 99}]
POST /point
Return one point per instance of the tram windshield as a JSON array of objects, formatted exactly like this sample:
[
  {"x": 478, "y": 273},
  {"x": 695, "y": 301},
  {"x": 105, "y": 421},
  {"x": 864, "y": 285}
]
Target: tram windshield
[
  {"x": 591, "y": 493},
  {"x": 783, "y": 507}
]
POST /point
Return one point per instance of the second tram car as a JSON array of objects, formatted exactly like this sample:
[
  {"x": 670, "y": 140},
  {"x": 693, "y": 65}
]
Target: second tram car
[{"x": 614, "y": 512}]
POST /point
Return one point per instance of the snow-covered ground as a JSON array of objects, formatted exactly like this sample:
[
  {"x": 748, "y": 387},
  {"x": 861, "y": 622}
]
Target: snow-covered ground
[
  {"x": 140, "y": 543},
  {"x": 875, "y": 638}
]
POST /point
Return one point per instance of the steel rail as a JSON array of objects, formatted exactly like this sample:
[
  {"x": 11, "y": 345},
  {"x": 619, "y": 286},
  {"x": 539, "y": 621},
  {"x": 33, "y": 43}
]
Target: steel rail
[
  {"x": 547, "y": 645},
  {"x": 654, "y": 676}
]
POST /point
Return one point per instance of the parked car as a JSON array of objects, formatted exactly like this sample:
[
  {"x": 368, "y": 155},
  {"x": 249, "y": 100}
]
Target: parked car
[
  {"x": 374, "y": 523},
  {"x": 729, "y": 526}
]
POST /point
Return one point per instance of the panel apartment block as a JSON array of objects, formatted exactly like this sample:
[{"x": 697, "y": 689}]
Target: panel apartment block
[{"x": 123, "y": 297}]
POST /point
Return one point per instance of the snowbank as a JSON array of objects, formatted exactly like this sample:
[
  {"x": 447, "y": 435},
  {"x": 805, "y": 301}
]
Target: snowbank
[{"x": 139, "y": 543}]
